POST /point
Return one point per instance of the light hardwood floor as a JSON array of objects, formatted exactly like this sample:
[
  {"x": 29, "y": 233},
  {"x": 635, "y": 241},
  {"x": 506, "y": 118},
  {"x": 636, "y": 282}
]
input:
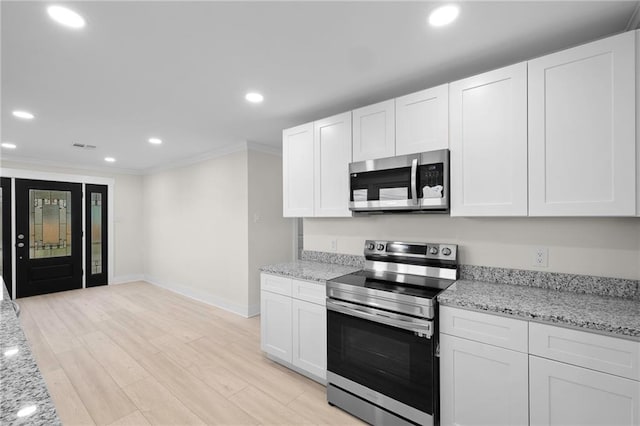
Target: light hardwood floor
[{"x": 136, "y": 354}]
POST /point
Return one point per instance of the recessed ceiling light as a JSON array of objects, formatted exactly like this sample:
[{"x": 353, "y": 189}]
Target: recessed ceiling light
[
  {"x": 27, "y": 411},
  {"x": 8, "y": 145},
  {"x": 444, "y": 15},
  {"x": 66, "y": 17},
  {"x": 254, "y": 97},
  {"x": 26, "y": 115},
  {"x": 109, "y": 159},
  {"x": 155, "y": 141}
]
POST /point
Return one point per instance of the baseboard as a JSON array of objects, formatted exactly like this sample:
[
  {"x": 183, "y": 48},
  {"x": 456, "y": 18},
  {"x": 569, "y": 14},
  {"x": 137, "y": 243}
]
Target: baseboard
[
  {"x": 244, "y": 311},
  {"x": 253, "y": 310},
  {"x": 121, "y": 279}
]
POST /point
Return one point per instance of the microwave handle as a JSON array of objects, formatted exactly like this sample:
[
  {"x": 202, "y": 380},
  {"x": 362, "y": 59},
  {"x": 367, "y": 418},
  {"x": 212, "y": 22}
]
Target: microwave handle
[{"x": 414, "y": 180}]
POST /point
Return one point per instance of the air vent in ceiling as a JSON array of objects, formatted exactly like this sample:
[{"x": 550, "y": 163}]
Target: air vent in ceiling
[{"x": 83, "y": 146}]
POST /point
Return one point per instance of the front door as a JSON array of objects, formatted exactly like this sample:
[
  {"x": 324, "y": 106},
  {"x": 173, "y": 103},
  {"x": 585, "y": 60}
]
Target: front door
[{"x": 48, "y": 236}]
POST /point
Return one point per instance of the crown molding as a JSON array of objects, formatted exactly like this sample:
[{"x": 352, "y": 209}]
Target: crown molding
[
  {"x": 265, "y": 149},
  {"x": 634, "y": 21},
  {"x": 62, "y": 165},
  {"x": 215, "y": 153}
]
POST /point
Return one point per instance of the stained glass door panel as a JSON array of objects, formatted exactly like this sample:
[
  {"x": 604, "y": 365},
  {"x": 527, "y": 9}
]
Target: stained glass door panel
[
  {"x": 96, "y": 234},
  {"x": 49, "y": 224}
]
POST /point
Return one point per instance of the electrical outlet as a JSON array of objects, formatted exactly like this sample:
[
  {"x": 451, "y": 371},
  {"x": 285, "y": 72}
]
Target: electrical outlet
[
  {"x": 334, "y": 245},
  {"x": 541, "y": 257}
]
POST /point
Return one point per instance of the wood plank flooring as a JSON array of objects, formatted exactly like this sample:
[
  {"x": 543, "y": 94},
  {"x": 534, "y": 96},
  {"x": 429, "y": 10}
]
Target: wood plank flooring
[{"x": 136, "y": 354}]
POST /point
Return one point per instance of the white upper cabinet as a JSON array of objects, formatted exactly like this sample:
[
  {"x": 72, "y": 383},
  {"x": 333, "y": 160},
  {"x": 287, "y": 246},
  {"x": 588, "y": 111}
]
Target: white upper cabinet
[
  {"x": 488, "y": 143},
  {"x": 332, "y": 155},
  {"x": 298, "y": 174},
  {"x": 374, "y": 131},
  {"x": 422, "y": 121},
  {"x": 582, "y": 141}
]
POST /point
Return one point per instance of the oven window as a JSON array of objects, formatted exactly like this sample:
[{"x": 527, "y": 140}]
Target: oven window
[{"x": 389, "y": 360}]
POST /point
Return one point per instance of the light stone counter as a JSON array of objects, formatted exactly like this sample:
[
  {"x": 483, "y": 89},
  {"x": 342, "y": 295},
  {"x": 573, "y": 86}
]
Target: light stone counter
[
  {"x": 21, "y": 384},
  {"x": 309, "y": 270},
  {"x": 615, "y": 316}
]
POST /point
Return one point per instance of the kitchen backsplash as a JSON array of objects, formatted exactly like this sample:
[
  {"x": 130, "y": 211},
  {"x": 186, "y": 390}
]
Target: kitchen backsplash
[
  {"x": 338, "y": 258},
  {"x": 616, "y": 287},
  {"x": 604, "y": 286}
]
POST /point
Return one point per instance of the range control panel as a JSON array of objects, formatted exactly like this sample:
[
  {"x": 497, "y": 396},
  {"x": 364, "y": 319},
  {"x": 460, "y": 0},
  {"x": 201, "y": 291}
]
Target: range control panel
[{"x": 418, "y": 250}]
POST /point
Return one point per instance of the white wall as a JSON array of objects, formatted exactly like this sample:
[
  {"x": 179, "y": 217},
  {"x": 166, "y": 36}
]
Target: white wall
[
  {"x": 128, "y": 224},
  {"x": 195, "y": 222},
  {"x": 127, "y": 201},
  {"x": 594, "y": 246},
  {"x": 270, "y": 235}
]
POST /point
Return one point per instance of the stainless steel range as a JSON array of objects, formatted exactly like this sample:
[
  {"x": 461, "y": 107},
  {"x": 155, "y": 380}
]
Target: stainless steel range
[{"x": 382, "y": 333}]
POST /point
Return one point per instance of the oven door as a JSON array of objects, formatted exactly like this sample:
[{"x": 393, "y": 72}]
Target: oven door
[{"x": 389, "y": 355}]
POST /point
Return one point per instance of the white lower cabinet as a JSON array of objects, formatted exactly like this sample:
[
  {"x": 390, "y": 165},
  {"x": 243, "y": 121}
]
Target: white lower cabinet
[
  {"x": 293, "y": 324},
  {"x": 503, "y": 371},
  {"x": 310, "y": 337},
  {"x": 563, "y": 394},
  {"x": 481, "y": 383},
  {"x": 276, "y": 332}
]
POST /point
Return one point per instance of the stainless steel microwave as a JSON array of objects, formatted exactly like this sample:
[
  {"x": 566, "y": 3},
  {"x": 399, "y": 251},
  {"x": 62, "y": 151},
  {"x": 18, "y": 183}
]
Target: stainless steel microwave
[{"x": 407, "y": 183}]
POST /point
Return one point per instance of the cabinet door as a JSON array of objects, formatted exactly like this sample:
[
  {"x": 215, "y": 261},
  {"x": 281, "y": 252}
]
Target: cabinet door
[
  {"x": 297, "y": 171},
  {"x": 332, "y": 155},
  {"x": 488, "y": 142},
  {"x": 422, "y": 121},
  {"x": 275, "y": 325},
  {"x": 481, "y": 384},
  {"x": 310, "y": 337},
  {"x": 582, "y": 130},
  {"x": 374, "y": 131},
  {"x": 562, "y": 394}
]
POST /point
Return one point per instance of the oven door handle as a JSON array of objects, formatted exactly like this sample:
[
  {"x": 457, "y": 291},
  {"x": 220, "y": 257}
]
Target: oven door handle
[{"x": 422, "y": 328}]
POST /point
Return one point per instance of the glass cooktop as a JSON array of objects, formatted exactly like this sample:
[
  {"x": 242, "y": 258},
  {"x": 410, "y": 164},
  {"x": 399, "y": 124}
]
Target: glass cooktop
[{"x": 411, "y": 285}]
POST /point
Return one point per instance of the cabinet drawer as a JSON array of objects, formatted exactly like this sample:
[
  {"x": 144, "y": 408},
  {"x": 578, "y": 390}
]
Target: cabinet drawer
[
  {"x": 486, "y": 328},
  {"x": 275, "y": 284},
  {"x": 603, "y": 353},
  {"x": 310, "y": 292}
]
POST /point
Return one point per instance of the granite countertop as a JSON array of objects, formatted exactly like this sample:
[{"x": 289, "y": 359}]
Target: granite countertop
[
  {"x": 309, "y": 270},
  {"x": 22, "y": 383},
  {"x": 615, "y": 316}
]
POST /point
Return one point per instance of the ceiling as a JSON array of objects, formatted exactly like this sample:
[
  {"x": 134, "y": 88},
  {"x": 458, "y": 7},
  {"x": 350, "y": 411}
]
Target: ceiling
[{"x": 179, "y": 70}]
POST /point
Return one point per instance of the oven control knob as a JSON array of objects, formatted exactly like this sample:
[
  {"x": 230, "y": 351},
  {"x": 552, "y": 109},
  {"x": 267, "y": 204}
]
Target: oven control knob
[
  {"x": 433, "y": 250},
  {"x": 371, "y": 246},
  {"x": 446, "y": 251},
  {"x": 380, "y": 246}
]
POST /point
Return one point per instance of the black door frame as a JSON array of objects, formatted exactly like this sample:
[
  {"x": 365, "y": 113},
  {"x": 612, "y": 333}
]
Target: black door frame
[
  {"x": 23, "y": 277},
  {"x": 7, "y": 241},
  {"x": 91, "y": 279}
]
